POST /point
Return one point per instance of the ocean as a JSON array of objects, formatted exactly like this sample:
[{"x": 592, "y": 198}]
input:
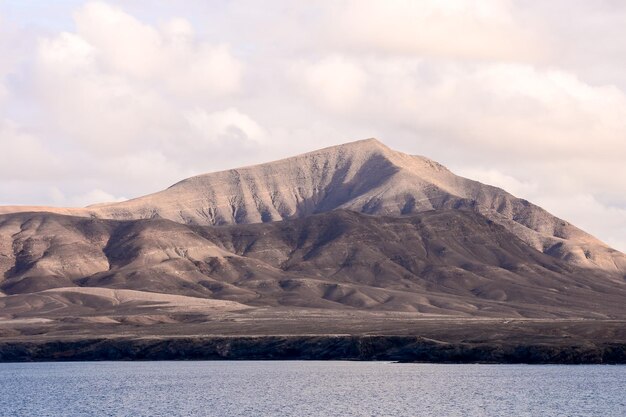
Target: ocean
[{"x": 302, "y": 388}]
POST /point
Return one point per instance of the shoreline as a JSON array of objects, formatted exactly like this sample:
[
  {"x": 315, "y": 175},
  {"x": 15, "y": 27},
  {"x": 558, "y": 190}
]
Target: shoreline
[{"x": 403, "y": 349}]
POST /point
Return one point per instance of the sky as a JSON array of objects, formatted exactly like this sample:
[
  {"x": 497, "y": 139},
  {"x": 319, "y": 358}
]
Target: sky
[{"x": 105, "y": 101}]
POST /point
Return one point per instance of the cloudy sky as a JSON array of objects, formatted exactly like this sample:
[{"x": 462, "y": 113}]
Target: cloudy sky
[{"x": 101, "y": 101}]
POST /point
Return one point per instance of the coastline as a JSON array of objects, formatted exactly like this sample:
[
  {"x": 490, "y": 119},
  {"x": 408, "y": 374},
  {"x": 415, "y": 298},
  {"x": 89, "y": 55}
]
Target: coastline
[{"x": 308, "y": 347}]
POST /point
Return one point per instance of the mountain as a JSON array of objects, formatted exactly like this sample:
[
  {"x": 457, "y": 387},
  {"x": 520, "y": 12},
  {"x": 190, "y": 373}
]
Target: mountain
[
  {"x": 355, "y": 239},
  {"x": 363, "y": 176},
  {"x": 440, "y": 262}
]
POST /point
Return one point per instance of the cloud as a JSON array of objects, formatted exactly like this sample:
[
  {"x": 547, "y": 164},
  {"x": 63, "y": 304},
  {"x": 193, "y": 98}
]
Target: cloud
[
  {"x": 503, "y": 107},
  {"x": 24, "y": 156},
  {"x": 169, "y": 55},
  {"x": 521, "y": 189},
  {"x": 527, "y": 110},
  {"x": 122, "y": 98},
  {"x": 333, "y": 82},
  {"x": 101, "y": 112},
  {"x": 117, "y": 85},
  {"x": 225, "y": 126},
  {"x": 94, "y": 196},
  {"x": 468, "y": 29},
  {"x": 7, "y": 57},
  {"x": 107, "y": 106},
  {"x": 592, "y": 47}
]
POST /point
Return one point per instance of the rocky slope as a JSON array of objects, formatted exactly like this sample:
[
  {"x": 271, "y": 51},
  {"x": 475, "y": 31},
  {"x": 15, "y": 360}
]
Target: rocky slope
[
  {"x": 364, "y": 176},
  {"x": 436, "y": 263}
]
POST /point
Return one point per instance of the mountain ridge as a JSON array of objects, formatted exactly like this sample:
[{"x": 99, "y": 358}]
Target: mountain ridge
[
  {"x": 364, "y": 176},
  {"x": 436, "y": 263}
]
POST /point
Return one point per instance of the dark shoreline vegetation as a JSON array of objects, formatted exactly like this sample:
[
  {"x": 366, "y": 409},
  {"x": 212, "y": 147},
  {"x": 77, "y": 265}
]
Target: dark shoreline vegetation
[{"x": 360, "y": 348}]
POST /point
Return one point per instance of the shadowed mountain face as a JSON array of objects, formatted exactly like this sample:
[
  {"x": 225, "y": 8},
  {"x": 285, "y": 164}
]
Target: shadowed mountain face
[
  {"x": 444, "y": 262},
  {"x": 363, "y": 176},
  {"x": 356, "y": 237}
]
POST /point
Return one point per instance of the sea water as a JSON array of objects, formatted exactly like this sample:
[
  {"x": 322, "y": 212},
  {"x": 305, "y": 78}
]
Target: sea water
[{"x": 302, "y": 388}]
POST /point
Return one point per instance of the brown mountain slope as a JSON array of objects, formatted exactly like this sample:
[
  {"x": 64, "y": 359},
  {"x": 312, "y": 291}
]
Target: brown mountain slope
[
  {"x": 444, "y": 262},
  {"x": 364, "y": 176}
]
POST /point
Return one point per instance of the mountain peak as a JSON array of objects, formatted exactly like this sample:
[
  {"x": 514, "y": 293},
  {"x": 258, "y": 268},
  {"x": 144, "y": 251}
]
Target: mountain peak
[
  {"x": 362, "y": 147},
  {"x": 370, "y": 143}
]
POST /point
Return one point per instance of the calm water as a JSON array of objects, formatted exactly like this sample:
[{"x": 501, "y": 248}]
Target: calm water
[{"x": 309, "y": 389}]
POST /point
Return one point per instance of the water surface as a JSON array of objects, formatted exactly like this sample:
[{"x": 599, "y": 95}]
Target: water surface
[{"x": 309, "y": 389}]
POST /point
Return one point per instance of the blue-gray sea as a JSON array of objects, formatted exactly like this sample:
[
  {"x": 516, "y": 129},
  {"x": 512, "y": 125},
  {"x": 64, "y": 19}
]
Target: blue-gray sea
[{"x": 309, "y": 389}]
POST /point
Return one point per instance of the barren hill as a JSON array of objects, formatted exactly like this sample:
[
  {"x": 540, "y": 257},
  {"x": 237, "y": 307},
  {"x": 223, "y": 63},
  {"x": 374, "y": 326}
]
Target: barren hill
[
  {"x": 436, "y": 263},
  {"x": 363, "y": 176}
]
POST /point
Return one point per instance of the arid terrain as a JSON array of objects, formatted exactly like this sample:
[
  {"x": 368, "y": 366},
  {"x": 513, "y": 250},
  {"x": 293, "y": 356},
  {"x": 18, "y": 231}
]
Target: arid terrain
[{"x": 334, "y": 246}]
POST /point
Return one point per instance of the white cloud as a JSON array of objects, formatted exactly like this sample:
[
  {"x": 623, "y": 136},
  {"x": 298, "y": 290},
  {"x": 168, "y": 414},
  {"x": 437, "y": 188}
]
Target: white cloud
[
  {"x": 129, "y": 97},
  {"x": 521, "y": 189},
  {"x": 123, "y": 43},
  {"x": 536, "y": 111},
  {"x": 501, "y": 107},
  {"x": 94, "y": 196},
  {"x": 168, "y": 55},
  {"x": 474, "y": 29},
  {"x": 225, "y": 126},
  {"x": 67, "y": 55},
  {"x": 8, "y": 55},
  {"x": 333, "y": 82},
  {"x": 23, "y": 156},
  {"x": 117, "y": 85}
]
